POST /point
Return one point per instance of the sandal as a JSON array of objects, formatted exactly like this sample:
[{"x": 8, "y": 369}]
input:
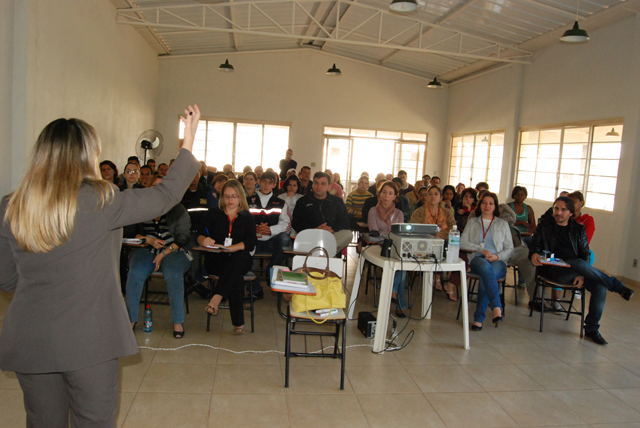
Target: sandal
[
  {"x": 238, "y": 331},
  {"x": 178, "y": 334},
  {"x": 451, "y": 295},
  {"x": 438, "y": 283},
  {"x": 210, "y": 309}
]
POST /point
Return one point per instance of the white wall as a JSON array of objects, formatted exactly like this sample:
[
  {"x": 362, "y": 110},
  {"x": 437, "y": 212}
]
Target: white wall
[
  {"x": 71, "y": 59},
  {"x": 564, "y": 84},
  {"x": 6, "y": 80},
  {"x": 292, "y": 87}
]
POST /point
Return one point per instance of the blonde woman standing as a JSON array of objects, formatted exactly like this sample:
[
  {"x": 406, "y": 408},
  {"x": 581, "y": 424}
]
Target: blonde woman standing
[{"x": 60, "y": 242}]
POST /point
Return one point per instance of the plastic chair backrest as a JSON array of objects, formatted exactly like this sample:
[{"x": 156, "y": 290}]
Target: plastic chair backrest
[
  {"x": 310, "y": 238},
  {"x": 335, "y": 265}
]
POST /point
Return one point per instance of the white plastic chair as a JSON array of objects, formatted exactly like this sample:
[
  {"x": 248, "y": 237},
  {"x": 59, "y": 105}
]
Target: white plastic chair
[{"x": 308, "y": 239}]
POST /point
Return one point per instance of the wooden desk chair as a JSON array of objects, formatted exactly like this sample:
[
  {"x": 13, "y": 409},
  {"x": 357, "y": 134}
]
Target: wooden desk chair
[
  {"x": 213, "y": 280},
  {"x": 515, "y": 280},
  {"x": 339, "y": 320},
  {"x": 542, "y": 283},
  {"x": 161, "y": 300}
]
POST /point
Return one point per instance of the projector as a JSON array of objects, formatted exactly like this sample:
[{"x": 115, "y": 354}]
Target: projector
[
  {"x": 412, "y": 247},
  {"x": 405, "y": 229}
]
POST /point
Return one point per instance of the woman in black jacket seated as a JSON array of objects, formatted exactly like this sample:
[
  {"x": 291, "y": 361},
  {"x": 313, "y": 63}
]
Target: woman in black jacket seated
[
  {"x": 131, "y": 177},
  {"x": 231, "y": 226},
  {"x": 169, "y": 237}
]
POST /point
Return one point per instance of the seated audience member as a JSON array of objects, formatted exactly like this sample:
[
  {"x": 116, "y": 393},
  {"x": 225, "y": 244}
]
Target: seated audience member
[
  {"x": 549, "y": 213},
  {"x": 130, "y": 159},
  {"x": 232, "y": 226},
  {"x": 146, "y": 173},
  {"x": 131, "y": 177},
  {"x": 169, "y": 240},
  {"x": 422, "y": 200},
  {"x": 109, "y": 172},
  {"x": 230, "y": 175},
  {"x": 449, "y": 197},
  {"x": 355, "y": 201},
  {"x": 405, "y": 186},
  {"x": 195, "y": 202},
  {"x": 405, "y": 206},
  {"x": 465, "y": 207},
  {"x": 489, "y": 237},
  {"x": 413, "y": 196},
  {"x": 320, "y": 210},
  {"x": 567, "y": 239},
  {"x": 152, "y": 164},
  {"x": 525, "y": 218},
  {"x": 214, "y": 189},
  {"x": 305, "y": 180},
  {"x": 336, "y": 179},
  {"x": 380, "y": 219},
  {"x": 244, "y": 171},
  {"x": 290, "y": 172},
  {"x": 334, "y": 189},
  {"x": 163, "y": 169},
  {"x": 459, "y": 188},
  {"x": 227, "y": 168},
  {"x": 433, "y": 213},
  {"x": 258, "y": 170},
  {"x": 426, "y": 180},
  {"x": 435, "y": 181},
  {"x": 272, "y": 222},
  {"x": 389, "y": 177},
  {"x": 250, "y": 181},
  {"x": 584, "y": 219},
  {"x": 373, "y": 201},
  {"x": 291, "y": 195},
  {"x": 374, "y": 186},
  {"x": 482, "y": 186},
  {"x": 205, "y": 175},
  {"x": 286, "y": 164}
]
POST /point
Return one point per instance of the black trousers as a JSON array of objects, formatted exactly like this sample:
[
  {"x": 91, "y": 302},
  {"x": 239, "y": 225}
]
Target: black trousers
[
  {"x": 230, "y": 268},
  {"x": 81, "y": 398}
]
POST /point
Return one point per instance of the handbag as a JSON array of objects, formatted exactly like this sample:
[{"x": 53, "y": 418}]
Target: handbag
[{"x": 329, "y": 293}]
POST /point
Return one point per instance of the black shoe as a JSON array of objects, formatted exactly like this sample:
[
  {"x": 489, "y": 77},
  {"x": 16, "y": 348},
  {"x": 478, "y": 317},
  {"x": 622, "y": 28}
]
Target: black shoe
[
  {"x": 626, "y": 293},
  {"x": 596, "y": 337},
  {"x": 259, "y": 295},
  {"x": 400, "y": 313},
  {"x": 178, "y": 334},
  {"x": 476, "y": 327}
]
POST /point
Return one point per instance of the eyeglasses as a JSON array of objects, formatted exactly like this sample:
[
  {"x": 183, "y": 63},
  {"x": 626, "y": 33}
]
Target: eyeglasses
[
  {"x": 231, "y": 197},
  {"x": 133, "y": 172}
]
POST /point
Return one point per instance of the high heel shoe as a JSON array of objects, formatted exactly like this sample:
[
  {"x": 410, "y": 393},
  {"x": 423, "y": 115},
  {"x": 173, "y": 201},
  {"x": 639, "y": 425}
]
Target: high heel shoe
[
  {"x": 496, "y": 320},
  {"x": 476, "y": 327},
  {"x": 178, "y": 334}
]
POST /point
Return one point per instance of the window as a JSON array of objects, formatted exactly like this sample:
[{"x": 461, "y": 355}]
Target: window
[
  {"x": 476, "y": 158},
  {"x": 350, "y": 152},
  {"x": 581, "y": 157},
  {"x": 220, "y": 142}
]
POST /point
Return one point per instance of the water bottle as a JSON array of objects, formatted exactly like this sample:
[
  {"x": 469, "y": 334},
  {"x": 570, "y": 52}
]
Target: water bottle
[
  {"x": 454, "y": 245},
  {"x": 148, "y": 319}
]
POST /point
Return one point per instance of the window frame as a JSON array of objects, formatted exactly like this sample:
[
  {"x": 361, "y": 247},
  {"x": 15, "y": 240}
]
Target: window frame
[
  {"x": 235, "y": 128},
  {"x": 586, "y": 172},
  {"x": 475, "y": 134}
]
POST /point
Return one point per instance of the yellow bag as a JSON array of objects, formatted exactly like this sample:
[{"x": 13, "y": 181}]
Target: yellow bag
[{"x": 329, "y": 293}]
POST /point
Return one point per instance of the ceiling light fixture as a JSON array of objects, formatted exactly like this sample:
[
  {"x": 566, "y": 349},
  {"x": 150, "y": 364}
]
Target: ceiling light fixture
[
  {"x": 434, "y": 84},
  {"x": 575, "y": 35},
  {"x": 403, "y": 6},
  {"x": 226, "y": 67},
  {"x": 613, "y": 133},
  {"x": 334, "y": 71},
  {"x": 484, "y": 140}
]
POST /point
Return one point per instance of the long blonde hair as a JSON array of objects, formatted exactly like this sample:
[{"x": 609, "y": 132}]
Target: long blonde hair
[
  {"x": 42, "y": 210},
  {"x": 234, "y": 184}
]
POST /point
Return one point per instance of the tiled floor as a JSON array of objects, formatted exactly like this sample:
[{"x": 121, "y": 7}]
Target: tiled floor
[{"x": 512, "y": 376}]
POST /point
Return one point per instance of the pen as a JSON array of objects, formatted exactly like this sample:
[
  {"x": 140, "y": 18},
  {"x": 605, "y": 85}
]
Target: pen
[{"x": 208, "y": 234}]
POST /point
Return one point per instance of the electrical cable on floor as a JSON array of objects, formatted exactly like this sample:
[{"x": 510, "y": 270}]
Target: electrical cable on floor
[{"x": 271, "y": 351}]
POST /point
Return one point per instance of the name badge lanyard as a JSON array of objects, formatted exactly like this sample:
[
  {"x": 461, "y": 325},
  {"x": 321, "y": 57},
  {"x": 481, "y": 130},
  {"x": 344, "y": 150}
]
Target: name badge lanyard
[
  {"x": 484, "y": 232},
  {"x": 228, "y": 241}
]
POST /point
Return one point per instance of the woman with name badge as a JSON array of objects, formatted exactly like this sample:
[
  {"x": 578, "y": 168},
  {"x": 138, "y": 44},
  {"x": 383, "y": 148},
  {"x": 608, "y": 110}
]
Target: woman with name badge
[
  {"x": 231, "y": 228},
  {"x": 489, "y": 237}
]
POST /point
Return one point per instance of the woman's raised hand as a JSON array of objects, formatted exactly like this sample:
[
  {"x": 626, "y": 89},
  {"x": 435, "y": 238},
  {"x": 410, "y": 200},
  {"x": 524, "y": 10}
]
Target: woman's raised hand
[{"x": 191, "y": 118}]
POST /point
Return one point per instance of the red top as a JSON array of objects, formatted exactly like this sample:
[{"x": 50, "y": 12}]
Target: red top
[{"x": 587, "y": 221}]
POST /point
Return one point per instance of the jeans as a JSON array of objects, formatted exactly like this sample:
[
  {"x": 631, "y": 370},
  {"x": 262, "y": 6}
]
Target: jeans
[
  {"x": 141, "y": 267},
  {"x": 488, "y": 289},
  {"x": 399, "y": 281},
  {"x": 596, "y": 282}
]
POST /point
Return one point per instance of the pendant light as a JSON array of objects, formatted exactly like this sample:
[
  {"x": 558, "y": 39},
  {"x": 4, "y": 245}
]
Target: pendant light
[
  {"x": 334, "y": 71},
  {"x": 226, "y": 67},
  {"x": 576, "y": 34},
  {"x": 434, "y": 84},
  {"x": 612, "y": 133},
  {"x": 403, "y": 6}
]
